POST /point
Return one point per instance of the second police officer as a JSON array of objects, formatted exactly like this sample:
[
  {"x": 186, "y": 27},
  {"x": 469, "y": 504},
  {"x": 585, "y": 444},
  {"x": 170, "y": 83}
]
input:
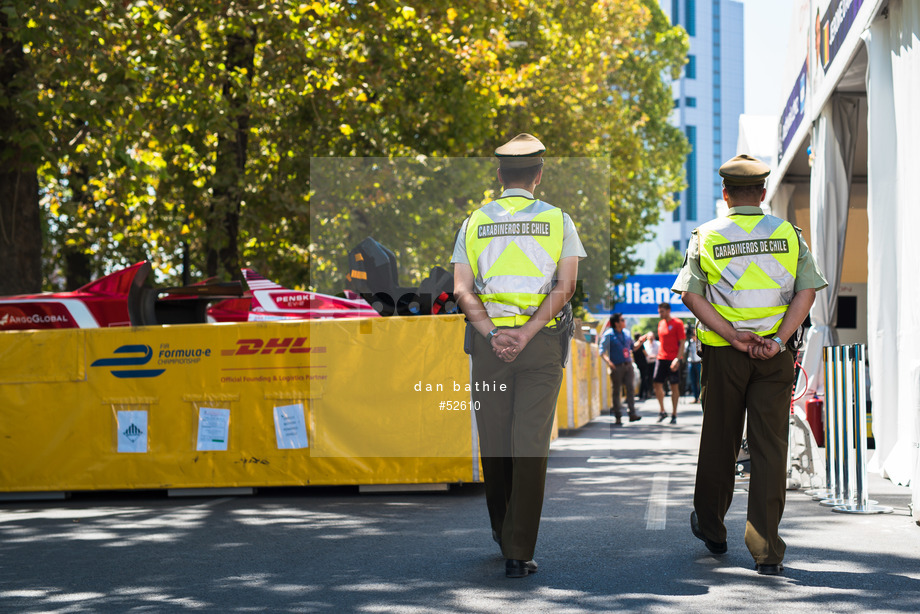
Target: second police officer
[{"x": 750, "y": 281}]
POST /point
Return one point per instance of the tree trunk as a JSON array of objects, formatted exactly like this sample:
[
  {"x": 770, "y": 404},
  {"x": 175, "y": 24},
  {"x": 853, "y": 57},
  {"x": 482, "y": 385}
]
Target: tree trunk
[
  {"x": 20, "y": 219},
  {"x": 20, "y": 228},
  {"x": 224, "y": 215},
  {"x": 77, "y": 266}
]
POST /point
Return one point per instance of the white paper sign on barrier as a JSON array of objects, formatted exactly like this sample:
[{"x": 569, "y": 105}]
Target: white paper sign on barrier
[
  {"x": 213, "y": 428},
  {"x": 290, "y": 427},
  {"x": 132, "y": 431}
]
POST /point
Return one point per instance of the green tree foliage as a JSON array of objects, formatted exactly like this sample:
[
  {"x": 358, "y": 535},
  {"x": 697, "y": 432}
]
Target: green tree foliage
[
  {"x": 647, "y": 325},
  {"x": 192, "y": 132},
  {"x": 593, "y": 86},
  {"x": 669, "y": 261},
  {"x": 588, "y": 80}
]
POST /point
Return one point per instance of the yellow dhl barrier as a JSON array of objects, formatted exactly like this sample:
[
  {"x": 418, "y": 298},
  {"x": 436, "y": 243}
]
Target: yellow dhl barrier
[{"x": 375, "y": 401}]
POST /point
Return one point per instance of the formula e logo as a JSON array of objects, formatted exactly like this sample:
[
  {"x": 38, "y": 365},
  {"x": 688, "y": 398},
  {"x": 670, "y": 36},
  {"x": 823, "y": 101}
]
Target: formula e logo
[
  {"x": 275, "y": 345},
  {"x": 135, "y": 356}
]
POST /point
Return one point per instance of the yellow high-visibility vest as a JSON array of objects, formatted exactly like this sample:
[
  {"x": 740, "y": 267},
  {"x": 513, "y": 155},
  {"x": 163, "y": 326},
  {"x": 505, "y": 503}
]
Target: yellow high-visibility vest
[
  {"x": 750, "y": 262},
  {"x": 514, "y": 245}
]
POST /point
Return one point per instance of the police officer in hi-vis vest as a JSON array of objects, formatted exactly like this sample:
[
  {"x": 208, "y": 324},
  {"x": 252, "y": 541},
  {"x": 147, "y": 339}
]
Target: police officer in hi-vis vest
[
  {"x": 750, "y": 281},
  {"x": 515, "y": 267}
]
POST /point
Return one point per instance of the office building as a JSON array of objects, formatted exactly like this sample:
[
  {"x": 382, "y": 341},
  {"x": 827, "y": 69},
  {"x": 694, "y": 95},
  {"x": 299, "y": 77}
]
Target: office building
[{"x": 708, "y": 99}]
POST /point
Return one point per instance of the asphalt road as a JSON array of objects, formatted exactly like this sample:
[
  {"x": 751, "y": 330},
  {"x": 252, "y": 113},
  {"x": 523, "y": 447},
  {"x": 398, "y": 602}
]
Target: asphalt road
[{"x": 614, "y": 538}]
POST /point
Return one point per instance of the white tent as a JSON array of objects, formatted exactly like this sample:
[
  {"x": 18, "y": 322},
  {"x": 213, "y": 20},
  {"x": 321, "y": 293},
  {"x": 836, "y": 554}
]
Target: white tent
[
  {"x": 851, "y": 132},
  {"x": 893, "y": 42}
]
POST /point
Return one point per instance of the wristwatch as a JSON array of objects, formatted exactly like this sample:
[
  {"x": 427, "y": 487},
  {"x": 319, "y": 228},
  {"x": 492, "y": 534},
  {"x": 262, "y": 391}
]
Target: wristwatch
[
  {"x": 492, "y": 333},
  {"x": 782, "y": 346}
]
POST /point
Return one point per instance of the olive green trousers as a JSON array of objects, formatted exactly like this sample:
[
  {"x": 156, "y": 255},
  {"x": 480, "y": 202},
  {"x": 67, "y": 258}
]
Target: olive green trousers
[
  {"x": 515, "y": 426},
  {"x": 734, "y": 384}
]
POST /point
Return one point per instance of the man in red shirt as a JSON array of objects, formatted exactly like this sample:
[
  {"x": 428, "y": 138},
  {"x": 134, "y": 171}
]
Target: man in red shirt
[{"x": 667, "y": 368}]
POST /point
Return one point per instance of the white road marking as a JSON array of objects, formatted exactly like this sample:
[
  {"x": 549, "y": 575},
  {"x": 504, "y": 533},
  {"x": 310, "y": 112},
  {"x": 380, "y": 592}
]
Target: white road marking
[{"x": 656, "y": 515}]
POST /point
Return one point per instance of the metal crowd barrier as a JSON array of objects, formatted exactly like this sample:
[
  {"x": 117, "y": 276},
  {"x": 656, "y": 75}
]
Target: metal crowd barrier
[{"x": 845, "y": 432}]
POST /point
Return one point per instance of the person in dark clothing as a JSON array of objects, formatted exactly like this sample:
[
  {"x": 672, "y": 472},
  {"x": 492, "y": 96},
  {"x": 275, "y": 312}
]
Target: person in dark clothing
[{"x": 645, "y": 380}]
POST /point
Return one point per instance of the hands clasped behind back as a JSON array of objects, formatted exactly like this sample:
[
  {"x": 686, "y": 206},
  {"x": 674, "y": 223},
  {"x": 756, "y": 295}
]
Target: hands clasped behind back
[
  {"x": 754, "y": 345},
  {"x": 508, "y": 343},
  {"x": 767, "y": 348}
]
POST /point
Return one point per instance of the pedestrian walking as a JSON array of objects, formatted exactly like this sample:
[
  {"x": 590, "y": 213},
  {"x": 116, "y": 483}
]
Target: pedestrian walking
[
  {"x": 670, "y": 355},
  {"x": 616, "y": 349}
]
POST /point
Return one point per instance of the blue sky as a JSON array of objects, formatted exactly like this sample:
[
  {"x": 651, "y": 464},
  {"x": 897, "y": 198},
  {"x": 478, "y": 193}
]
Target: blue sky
[{"x": 766, "y": 33}]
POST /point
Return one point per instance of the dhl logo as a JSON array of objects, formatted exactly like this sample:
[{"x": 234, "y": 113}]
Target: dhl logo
[{"x": 276, "y": 345}]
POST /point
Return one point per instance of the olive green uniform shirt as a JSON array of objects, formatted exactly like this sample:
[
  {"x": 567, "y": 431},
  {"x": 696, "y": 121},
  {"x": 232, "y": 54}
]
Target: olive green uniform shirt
[{"x": 693, "y": 279}]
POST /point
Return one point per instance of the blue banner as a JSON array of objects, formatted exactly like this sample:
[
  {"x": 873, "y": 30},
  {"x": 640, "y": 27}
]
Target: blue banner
[
  {"x": 794, "y": 112},
  {"x": 641, "y": 294},
  {"x": 832, "y": 29}
]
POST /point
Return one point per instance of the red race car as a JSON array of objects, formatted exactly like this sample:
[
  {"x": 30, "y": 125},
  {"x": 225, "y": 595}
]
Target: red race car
[
  {"x": 98, "y": 304},
  {"x": 125, "y": 299},
  {"x": 267, "y": 300}
]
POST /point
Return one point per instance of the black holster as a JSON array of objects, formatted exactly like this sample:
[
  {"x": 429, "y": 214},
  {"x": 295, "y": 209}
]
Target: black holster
[
  {"x": 564, "y": 329},
  {"x": 468, "y": 338}
]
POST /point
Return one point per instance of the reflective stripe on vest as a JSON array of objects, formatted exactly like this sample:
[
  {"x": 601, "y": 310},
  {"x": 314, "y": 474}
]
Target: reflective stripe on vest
[
  {"x": 514, "y": 245},
  {"x": 750, "y": 261}
]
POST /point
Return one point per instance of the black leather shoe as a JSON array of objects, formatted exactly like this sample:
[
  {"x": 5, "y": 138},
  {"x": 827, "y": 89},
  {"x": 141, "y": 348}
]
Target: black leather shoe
[
  {"x": 662, "y": 417},
  {"x": 518, "y": 569},
  {"x": 497, "y": 537},
  {"x": 769, "y": 569},
  {"x": 714, "y": 547},
  {"x": 635, "y": 418}
]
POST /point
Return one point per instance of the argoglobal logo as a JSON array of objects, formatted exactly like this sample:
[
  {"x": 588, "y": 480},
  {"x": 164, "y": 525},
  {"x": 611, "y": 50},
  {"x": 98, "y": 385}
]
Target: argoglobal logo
[
  {"x": 134, "y": 356},
  {"x": 9, "y": 320}
]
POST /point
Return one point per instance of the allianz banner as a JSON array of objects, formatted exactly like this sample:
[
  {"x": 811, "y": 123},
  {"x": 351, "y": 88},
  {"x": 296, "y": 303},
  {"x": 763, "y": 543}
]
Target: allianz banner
[{"x": 641, "y": 294}]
